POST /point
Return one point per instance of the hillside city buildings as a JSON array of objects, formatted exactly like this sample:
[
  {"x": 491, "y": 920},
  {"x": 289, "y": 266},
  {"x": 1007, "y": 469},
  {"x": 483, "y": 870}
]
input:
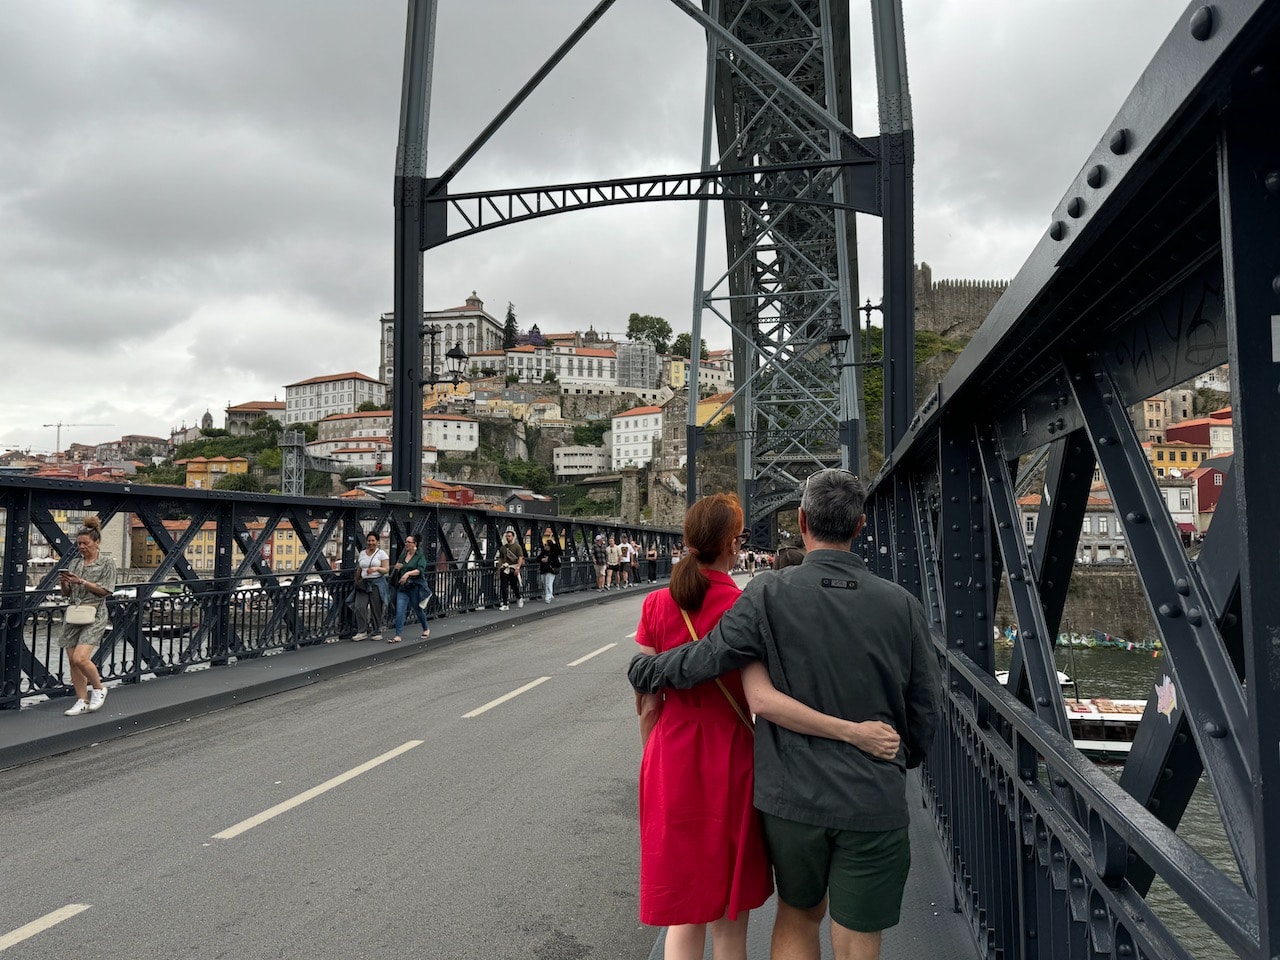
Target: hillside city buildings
[{"x": 631, "y": 402}]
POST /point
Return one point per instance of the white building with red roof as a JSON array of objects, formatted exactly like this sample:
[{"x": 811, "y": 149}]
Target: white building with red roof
[
  {"x": 634, "y": 433},
  {"x": 311, "y": 400}
]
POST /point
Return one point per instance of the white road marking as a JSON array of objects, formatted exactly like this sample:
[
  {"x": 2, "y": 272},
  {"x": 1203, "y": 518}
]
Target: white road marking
[
  {"x": 594, "y": 653},
  {"x": 29, "y": 930},
  {"x": 504, "y": 698},
  {"x": 314, "y": 792},
  {"x": 632, "y": 634}
]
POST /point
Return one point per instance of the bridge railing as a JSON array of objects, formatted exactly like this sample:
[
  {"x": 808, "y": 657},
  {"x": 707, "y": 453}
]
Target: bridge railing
[
  {"x": 213, "y": 590},
  {"x": 1162, "y": 261}
]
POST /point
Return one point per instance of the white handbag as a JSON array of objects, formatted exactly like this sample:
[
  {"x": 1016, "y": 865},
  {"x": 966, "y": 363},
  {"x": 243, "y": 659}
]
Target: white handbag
[{"x": 80, "y": 614}]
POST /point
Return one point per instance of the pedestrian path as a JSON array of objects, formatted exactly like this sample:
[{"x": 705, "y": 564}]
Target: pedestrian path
[{"x": 41, "y": 730}]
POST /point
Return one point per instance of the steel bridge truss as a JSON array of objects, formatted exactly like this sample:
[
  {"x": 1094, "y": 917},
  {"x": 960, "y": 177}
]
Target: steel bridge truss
[
  {"x": 789, "y": 174},
  {"x": 778, "y": 92},
  {"x": 1162, "y": 261},
  {"x": 221, "y": 585}
]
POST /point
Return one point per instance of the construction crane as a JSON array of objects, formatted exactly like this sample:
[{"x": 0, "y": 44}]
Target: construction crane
[{"x": 57, "y": 443}]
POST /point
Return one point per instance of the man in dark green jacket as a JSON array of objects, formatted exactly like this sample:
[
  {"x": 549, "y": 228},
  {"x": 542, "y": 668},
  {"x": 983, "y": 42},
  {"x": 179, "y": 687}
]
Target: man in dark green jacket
[{"x": 842, "y": 640}]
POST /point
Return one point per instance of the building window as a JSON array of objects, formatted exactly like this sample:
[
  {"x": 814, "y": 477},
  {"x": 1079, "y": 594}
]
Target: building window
[
  {"x": 1102, "y": 526},
  {"x": 1184, "y": 499},
  {"x": 1087, "y": 525},
  {"x": 1217, "y": 479},
  {"x": 1159, "y": 455},
  {"x": 1030, "y": 523}
]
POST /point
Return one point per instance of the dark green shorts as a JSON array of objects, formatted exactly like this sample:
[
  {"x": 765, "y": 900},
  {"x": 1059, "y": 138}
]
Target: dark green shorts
[{"x": 864, "y": 872}]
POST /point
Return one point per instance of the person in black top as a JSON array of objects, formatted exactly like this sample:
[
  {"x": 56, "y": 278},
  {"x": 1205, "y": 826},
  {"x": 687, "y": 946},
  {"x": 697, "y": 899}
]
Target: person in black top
[
  {"x": 549, "y": 555},
  {"x": 511, "y": 558}
]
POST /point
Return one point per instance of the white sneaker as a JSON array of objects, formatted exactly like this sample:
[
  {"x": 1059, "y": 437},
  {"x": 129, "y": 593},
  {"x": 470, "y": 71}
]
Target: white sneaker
[
  {"x": 360, "y": 636},
  {"x": 520, "y": 603},
  {"x": 504, "y": 607},
  {"x": 79, "y": 707},
  {"x": 96, "y": 699}
]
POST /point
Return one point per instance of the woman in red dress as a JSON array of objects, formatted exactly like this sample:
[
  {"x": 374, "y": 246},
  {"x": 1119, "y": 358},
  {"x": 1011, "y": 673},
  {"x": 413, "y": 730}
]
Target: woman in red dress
[{"x": 702, "y": 855}]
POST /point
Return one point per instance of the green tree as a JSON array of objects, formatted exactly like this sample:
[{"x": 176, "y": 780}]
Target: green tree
[
  {"x": 591, "y": 434},
  {"x": 509, "y": 331},
  {"x": 369, "y": 406},
  {"x": 550, "y": 377},
  {"x": 680, "y": 348},
  {"x": 243, "y": 482},
  {"x": 145, "y": 452},
  {"x": 654, "y": 329}
]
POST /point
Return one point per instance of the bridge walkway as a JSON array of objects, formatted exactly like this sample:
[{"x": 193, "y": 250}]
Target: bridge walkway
[{"x": 930, "y": 928}]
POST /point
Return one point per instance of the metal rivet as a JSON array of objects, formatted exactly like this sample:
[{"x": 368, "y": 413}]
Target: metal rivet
[
  {"x": 1135, "y": 517},
  {"x": 1272, "y": 181},
  {"x": 1075, "y": 207},
  {"x": 1120, "y": 142},
  {"x": 1215, "y": 730},
  {"x": 1096, "y": 177},
  {"x": 1170, "y": 611},
  {"x": 1202, "y": 23},
  {"x": 1043, "y": 701},
  {"x": 1057, "y": 230},
  {"x": 1193, "y": 616},
  {"x": 1182, "y": 586}
]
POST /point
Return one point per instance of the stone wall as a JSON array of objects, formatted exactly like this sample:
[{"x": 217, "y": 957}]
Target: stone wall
[
  {"x": 583, "y": 407},
  {"x": 953, "y": 308},
  {"x": 1099, "y": 599}
]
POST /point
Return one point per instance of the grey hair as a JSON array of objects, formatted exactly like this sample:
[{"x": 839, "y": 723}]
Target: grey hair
[{"x": 832, "y": 501}]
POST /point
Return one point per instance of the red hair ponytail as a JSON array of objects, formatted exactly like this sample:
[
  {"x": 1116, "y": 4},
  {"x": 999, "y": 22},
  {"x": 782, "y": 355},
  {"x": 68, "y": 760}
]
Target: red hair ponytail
[{"x": 709, "y": 525}]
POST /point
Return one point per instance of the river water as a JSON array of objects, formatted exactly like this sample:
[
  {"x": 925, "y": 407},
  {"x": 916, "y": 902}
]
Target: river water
[{"x": 1134, "y": 675}]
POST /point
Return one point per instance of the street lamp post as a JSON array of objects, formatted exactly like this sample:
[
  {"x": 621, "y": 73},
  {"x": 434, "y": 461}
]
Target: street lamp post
[
  {"x": 455, "y": 365},
  {"x": 838, "y": 344}
]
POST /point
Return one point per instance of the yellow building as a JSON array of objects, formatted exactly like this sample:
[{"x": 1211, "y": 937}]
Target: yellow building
[
  {"x": 204, "y": 472},
  {"x": 283, "y": 551},
  {"x": 709, "y": 412},
  {"x": 1176, "y": 455}
]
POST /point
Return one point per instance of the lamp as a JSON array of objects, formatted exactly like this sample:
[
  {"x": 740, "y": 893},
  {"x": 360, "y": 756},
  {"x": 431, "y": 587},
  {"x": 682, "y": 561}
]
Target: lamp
[
  {"x": 456, "y": 359},
  {"x": 838, "y": 343},
  {"x": 456, "y": 362}
]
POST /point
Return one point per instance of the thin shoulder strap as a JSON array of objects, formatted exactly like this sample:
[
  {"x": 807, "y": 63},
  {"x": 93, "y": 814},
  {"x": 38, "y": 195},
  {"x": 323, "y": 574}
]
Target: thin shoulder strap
[{"x": 733, "y": 701}]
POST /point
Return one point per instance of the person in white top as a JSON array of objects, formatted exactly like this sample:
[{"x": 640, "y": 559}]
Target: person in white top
[
  {"x": 371, "y": 581},
  {"x": 624, "y": 562}
]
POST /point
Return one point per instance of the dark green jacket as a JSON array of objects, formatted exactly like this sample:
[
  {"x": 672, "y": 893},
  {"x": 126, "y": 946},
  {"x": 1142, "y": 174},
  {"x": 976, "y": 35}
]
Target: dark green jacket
[
  {"x": 419, "y": 563},
  {"x": 840, "y": 639}
]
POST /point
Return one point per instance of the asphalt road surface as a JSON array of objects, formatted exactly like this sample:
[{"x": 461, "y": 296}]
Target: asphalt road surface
[{"x": 384, "y": 814}]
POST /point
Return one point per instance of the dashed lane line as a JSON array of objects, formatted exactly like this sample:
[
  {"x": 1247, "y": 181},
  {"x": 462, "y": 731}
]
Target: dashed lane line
[
  {"x": 29, "y": 930},
  {"x": 593, "y": 653},
  {"x": 504, "y": 698},
  {"x": 314, "y": 792}
]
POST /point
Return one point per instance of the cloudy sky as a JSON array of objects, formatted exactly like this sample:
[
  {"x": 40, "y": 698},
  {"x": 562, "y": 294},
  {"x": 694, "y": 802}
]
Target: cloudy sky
[{"x": 195, "y": 198}]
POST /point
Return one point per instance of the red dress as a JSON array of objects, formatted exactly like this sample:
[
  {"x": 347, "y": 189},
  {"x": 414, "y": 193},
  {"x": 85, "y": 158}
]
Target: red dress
[{"x": 702, "y": 852}]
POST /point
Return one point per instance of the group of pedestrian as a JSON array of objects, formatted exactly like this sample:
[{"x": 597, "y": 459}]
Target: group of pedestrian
[
  {"x": 617, "y": 562},
  {"x": 838, "y": 668}
]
